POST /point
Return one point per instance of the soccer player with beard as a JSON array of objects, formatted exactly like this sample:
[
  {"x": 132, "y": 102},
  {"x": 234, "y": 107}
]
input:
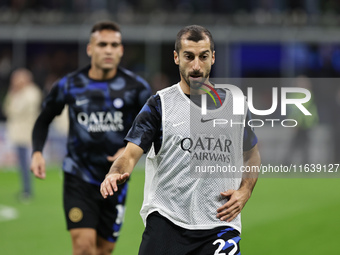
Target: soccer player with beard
[
  {"x": 103, "y": 99},
  {"x": 184, "y": 214}
]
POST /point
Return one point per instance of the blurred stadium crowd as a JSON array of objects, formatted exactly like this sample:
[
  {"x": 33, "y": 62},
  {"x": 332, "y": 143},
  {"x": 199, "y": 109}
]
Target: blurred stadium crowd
[
  {"x": 240, "y": 54},
  {"x": 305, "y": 11}
]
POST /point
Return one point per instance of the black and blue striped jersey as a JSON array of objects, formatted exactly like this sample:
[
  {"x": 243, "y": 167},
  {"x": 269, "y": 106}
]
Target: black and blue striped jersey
[
  {"x": 100, "y": 115},
  {"x": 147, "y": 127}
]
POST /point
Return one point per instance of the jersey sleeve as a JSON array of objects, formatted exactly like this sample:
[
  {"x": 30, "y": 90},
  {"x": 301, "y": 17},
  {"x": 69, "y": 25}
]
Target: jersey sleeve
[
  {"x": 249, "y": 136},
  {"x": 52, "y": 106},
  {"x": 146, "y": 128}
]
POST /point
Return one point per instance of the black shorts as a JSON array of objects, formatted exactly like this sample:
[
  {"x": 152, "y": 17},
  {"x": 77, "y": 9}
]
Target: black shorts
[
  {"x": 161, "y": 236},
  {"x": 85, "y": 207}
]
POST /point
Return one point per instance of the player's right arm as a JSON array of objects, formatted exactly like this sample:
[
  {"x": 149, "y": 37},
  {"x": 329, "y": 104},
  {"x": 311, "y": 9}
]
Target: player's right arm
[
  {"x": 39, "y": 136},
  {"x": 121, "y": 169},
  {"x": 52, "y": 106},
  {"x": 144, "y": 132}
]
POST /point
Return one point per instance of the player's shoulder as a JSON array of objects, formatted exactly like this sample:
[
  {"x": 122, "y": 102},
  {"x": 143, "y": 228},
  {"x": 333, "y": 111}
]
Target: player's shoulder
[
  {"x": 78, "y": 78},
  {"x": 152, "y": 107},
  {"x": 168, "y": 89},
  {"x": 133, "y": 77},
  {"x": 154, "y": 100}
]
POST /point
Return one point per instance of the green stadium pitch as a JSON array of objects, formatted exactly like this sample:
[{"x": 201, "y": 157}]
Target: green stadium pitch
[{"x": 284, "y": 216}]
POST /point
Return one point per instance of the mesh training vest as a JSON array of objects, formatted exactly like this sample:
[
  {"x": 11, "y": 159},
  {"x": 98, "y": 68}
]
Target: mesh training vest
[{"x": 184, "y": 179}]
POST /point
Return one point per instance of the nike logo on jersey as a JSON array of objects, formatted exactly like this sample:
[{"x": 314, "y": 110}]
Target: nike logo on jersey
[
  {"x": 178, "y": 124},
  {"x": 203, "y": 120},
  {"x": 82, "y": 102}
]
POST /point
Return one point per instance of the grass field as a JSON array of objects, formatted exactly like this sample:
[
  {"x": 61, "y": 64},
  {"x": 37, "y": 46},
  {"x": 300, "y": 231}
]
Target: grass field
[{"x": 284, "y": 216}]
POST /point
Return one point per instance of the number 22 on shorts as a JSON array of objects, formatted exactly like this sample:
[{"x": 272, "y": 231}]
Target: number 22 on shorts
[{"x": 222, "y": 244}]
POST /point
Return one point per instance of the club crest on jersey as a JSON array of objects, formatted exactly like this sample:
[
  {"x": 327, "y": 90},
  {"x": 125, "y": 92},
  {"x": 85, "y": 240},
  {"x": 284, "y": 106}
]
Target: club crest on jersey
[
  {"x": 118, "y": 103},
  {"x": 101, "y": 121}
]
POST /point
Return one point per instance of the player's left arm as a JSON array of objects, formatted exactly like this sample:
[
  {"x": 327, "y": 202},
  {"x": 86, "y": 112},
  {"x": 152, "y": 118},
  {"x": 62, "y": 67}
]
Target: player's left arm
[{"x": 238, "y": 198}]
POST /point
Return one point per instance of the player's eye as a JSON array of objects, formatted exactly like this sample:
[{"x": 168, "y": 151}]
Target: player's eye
[
  {"x": 189, "y": 57},
  {"x": 204, "y": 57},
  {"x": 102, "y": 44},
  {"x": 115, "y": 44}
]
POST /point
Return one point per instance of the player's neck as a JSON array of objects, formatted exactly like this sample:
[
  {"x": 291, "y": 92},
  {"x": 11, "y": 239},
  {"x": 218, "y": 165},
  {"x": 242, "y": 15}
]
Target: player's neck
[{"x": 100, "y": 74}]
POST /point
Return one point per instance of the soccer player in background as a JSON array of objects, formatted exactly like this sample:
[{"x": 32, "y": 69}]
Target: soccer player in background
[
  {"x": 103, "y": 100},
  {"x": 184, "y": 214}
]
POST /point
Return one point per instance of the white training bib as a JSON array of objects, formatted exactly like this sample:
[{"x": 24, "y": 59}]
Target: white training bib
[{"x": 177, "y": 183}]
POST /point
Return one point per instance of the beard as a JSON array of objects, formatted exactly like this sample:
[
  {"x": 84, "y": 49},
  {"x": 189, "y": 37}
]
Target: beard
[{"x": 199, "y": 79}]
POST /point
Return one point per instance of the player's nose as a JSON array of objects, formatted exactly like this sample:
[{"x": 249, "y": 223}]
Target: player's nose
[
  {"x": 108, "y": 49},
  {"x": 196, "y": 65}
]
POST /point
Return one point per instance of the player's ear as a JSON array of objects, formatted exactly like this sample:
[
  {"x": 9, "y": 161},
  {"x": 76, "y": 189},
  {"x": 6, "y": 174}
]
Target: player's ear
[
  {"x": 176, "y": 58},
  {"x": 213, "y": 58},
  {"x": 89, "y": 50}
]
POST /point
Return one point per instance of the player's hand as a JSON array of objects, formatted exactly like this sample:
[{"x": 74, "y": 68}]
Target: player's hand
[
  {"x": 236, "y": 202},
  {"x": 38, "y": 165},
  {"x": 117, "y": 154},
  {"x": 111, "y": 182}
]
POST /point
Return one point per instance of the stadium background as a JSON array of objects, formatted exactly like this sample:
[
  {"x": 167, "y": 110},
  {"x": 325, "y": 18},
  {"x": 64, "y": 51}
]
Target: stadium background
[{"x": 263, "y": 38}]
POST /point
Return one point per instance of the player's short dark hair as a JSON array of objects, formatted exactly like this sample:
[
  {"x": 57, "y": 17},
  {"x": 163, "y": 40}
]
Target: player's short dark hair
[
  {"x": 193, "y": 33},
  {"x": 105, "y": 25}
]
